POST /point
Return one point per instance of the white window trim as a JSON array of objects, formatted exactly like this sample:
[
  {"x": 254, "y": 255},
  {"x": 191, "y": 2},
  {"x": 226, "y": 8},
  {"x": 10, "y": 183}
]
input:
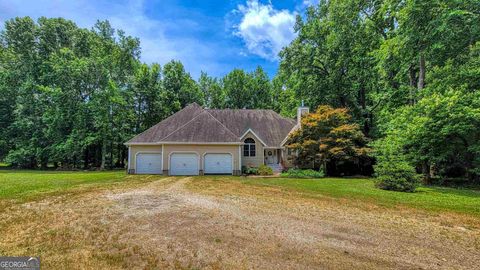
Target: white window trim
[
  {"x": 254, "y": 134},
  {"x": 249, "y": 149}
]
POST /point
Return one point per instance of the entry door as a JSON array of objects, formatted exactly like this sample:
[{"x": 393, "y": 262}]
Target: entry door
[
  {"x": 270, "y": 154},
  {"x": 184, "y": 164}
]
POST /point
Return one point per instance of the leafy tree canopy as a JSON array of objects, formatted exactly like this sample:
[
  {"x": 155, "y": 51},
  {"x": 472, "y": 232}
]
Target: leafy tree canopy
[{"x": 328, "y": 135}]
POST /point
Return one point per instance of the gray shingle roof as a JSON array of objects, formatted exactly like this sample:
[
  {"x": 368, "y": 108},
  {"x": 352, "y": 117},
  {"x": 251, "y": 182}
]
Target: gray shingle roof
[
  {"x": 195, "y": 124},
  {"x": 267, "y": 124}
]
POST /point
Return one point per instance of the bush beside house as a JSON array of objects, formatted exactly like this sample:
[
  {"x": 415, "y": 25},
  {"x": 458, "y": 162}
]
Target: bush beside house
[
  {"x": 262, "y": 170},
  {"x": 298, "y": 173},
  {"x": 265, "y": 170}
]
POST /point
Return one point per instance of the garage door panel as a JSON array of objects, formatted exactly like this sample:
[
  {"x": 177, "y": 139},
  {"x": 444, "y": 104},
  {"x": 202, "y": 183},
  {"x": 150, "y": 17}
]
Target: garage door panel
[
  {"x": 218, "y": 163},
  {"x": 184, "y": 164},
  {"x": 149, "y": 163}
]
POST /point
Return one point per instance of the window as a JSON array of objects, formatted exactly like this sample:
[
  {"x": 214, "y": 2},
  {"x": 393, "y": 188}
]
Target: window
[{"x": 249, "y": 148}]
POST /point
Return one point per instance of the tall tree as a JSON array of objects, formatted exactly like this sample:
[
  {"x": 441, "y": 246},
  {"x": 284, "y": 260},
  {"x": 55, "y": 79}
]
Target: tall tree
[
  {"x": 147, "y": 96},
  {"x": 180, "y": 88},
  {"x": 237, "y": 90},
  {"x": 212, "y": 90},
  {"x": 330, "y": 61},
  {"x": 261, "y": 89}
]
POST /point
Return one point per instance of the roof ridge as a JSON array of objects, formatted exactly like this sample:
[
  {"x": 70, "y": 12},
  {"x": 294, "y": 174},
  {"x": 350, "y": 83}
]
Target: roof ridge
[
  {"x": 188, "y": 122},
  {"x": 265, "y": 110},
  {"x": 200, "y": 114},
  {"x": 222, "y": 124},
  {"x": 228, "y": 109}
]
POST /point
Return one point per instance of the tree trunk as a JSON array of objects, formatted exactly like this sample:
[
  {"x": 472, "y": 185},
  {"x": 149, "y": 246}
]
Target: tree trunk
[
  {"x": 44, "y": 165},
  {"x": 421, "y": 73},
  {"x": 85, "y": 159},
  {"x": 103, "y": 153},
  {"x": 413, "y": 79},
  {"x": 111, "y": 154},
  {"x": 119, "y": 156},
  {"x": 363, "y": 103},
  {"x": 426, "y": 171}
]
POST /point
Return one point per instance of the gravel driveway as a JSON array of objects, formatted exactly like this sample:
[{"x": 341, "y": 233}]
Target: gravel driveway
[{"x": 186, "y": 223}]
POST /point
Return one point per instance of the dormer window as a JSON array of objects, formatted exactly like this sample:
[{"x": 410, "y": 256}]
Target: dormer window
[{"x": 249, "y": 147}]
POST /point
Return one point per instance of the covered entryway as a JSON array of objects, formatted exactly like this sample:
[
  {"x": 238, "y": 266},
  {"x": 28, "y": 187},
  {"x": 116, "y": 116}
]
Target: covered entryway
[
  {"x": 184, "y": 164},
  {"x": 272, "y": 156},
  {"x": 148, "y": 163},
  {"x": 218, "y": 163}
]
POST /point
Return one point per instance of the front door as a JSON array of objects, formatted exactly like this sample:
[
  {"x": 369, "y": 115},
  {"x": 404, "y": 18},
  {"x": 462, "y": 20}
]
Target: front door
[{"x": 270, "y": 156}]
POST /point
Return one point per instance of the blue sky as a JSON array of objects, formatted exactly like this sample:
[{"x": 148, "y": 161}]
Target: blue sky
[{"x": 211, "y": 36}]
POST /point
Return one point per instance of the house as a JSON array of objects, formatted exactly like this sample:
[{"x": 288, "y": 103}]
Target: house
[{"x": 197, "y": 141}]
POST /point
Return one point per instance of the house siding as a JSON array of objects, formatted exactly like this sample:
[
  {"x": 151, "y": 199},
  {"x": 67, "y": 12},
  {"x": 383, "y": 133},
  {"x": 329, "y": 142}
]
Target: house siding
[
  {"x": 259, "y": 157},
  {"x": 199, "y": 149},
  {"x": 134, "y": 150}
]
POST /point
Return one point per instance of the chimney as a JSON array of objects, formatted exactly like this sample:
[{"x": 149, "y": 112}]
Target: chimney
[{"x": 301, "y": 111}]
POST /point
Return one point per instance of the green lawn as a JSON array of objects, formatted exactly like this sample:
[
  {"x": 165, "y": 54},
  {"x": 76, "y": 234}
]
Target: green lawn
[
  {"x": 26, "y": 185},
  {"x": 427, "y": 198}
]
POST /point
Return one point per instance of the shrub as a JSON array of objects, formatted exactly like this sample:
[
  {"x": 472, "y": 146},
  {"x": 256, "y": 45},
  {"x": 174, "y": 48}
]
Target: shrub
[
  {"x": 265, "y": 170},
  {"x": 297, "y": 173},
  {"x": 397, "y": 176},
  {"x": 249, "y": 170}
]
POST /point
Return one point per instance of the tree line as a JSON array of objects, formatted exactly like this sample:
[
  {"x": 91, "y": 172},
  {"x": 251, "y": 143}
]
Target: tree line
[
  {"x": 70, "y": 97},
  {"x": 408, "y": 73}
]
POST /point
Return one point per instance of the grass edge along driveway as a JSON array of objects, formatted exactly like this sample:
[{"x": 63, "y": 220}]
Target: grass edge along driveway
[
  {"x": 429, "y": 198},
  {"x": 23, "y": 186}
]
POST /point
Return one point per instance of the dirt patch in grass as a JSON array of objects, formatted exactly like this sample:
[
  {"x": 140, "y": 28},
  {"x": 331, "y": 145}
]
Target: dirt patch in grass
[{"x": 195, "y": 223}]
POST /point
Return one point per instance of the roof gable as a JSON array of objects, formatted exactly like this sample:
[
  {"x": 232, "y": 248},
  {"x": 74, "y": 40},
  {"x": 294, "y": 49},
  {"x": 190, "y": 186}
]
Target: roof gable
[
  {"x": 167, "y": 126},
  {"x": 202, "y": 128},
  {"x": 267, "y": 125}
]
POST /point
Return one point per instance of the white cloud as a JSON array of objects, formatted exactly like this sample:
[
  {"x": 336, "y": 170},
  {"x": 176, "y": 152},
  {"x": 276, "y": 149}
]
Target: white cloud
[{"x": 264, "y": 29}]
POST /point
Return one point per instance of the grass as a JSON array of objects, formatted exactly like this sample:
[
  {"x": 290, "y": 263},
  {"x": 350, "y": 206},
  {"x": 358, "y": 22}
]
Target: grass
[
  {"x": 110, "y": 220},
  {"x": 29, "y": 185},
  {"x": 434, "y": 199}
]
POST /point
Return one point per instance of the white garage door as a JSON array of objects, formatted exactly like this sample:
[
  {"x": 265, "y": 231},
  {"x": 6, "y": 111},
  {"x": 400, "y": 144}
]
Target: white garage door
[
  {"x": 218, "y": 164},
  {"x": 184, "y": 164},
  {"x": 149, "y": 163}
]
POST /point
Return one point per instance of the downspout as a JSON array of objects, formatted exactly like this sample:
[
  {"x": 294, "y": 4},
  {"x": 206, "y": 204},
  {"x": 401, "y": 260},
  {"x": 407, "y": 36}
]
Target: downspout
[{"x": 128, "y": 163}]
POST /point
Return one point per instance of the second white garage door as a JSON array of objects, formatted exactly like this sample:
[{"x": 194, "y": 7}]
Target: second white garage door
[
  {"x": 184, "y": 164},
  {"x": 218, "y": 164}
]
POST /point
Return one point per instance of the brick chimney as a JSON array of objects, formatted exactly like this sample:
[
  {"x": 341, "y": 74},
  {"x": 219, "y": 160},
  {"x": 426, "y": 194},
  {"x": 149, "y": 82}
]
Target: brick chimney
[{"x": 301, "y": 111}]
